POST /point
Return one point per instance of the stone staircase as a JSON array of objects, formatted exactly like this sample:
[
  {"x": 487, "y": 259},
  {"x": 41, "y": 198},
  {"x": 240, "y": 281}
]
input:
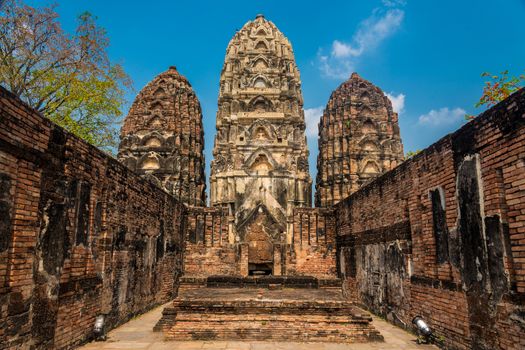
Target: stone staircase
[{"x": 265, "y": 308}]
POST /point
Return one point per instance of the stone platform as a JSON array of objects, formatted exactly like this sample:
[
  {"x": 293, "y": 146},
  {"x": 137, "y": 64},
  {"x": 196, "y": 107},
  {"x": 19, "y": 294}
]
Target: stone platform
[
  {"x": 309, "y": 311},
  {"x": 188, "y": 282},
  {"x": 138, "y": 334}
]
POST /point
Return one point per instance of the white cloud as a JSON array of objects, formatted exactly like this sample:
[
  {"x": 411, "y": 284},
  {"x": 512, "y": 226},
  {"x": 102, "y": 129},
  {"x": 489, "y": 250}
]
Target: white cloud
[
  {"x": 311, "y": 118},
  {"x": 398, "y": 102},
  {"x": 340, "y": 49},
  {"x": 371, "y": 33},
  {"x": 335, "y": 68},
  {"x": 374, "y": 30},
  {"x": 442, "y": 116},
  {"x": 394, "y": 3}
]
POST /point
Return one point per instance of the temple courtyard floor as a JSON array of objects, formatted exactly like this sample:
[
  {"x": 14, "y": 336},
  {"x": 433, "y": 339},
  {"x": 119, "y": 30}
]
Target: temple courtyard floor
[{"x": 138, "y": 334}]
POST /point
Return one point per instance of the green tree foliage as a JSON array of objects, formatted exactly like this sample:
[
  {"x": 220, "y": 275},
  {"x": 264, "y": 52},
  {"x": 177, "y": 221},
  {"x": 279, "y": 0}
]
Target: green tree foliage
[
  {"x": 410, "y": 154},
  {"x": 68, "y": 78},
  {"x": 498, "y": 88}
]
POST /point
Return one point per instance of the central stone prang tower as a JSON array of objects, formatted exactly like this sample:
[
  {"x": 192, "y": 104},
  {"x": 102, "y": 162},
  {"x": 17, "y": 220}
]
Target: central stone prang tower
[{"x": 260, "y": 166}]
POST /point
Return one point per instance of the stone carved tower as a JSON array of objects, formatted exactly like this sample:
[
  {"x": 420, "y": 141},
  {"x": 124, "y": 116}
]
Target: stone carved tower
[
  {"x": 358, "y": 140},
  {"x": 260, "y": 167},
  {"x": 162, "y": 137}
]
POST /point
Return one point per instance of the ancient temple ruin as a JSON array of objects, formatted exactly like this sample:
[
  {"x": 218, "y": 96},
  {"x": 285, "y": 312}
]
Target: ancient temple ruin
[
  {"x": 260, "y": 168},
  {"x": 162, "y": 137},
  {"x": 358, "y": 140},
  {"x": 440, "y": 235}
]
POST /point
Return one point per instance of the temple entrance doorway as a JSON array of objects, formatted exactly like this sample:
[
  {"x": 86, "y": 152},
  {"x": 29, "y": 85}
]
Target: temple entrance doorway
[
  {"x": 260, "y": 253},
  {"x": 260, "y": 233}
]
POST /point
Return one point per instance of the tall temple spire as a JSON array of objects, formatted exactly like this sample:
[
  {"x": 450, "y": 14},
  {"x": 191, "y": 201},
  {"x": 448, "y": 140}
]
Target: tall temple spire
[{"x": 260, "y": 165}]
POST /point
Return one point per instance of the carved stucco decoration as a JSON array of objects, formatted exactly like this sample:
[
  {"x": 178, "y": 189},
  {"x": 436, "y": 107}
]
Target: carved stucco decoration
[
  {"x": 358, "y": 140},
  {"x": 162, "y": 135},
  {"x": 260, "y": 105}
]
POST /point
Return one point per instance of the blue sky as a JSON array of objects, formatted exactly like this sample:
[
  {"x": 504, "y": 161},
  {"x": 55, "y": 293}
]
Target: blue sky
[{"x": 427, "y": 55}]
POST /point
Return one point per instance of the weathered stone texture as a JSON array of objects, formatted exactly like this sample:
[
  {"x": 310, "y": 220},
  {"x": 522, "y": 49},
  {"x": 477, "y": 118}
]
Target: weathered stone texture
[
  {"x": 311, "y": 252},
  {"x": 260, "y": 167},
  {"x": 300, "y": 313},
  {"x": 81, "y": 235},
  {"x": 358, "y": 140},
  {"x": 207, "y": 251},
  {"x": 163, "y": 136},
  {"x": 442, "y": 235}
]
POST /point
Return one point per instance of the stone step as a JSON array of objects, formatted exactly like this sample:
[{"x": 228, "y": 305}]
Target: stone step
[
  {"x": 299, "y": 314},
  {"x": 274, "y": 329},
  {"x": 273, "y": 307},
  {"x": 221, "y": 281},
  {"x": 263, "y": 318},
  {"x": 192, "y": 281}
]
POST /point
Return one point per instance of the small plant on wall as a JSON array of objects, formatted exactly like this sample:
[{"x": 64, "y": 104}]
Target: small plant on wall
[{"x": 498, "y": 88}]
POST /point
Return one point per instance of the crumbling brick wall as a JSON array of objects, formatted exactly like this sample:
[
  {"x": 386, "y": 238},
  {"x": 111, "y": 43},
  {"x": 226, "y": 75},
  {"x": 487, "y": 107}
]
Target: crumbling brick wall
[
  {"x": 80, "y": 235},
  {"x": 207, "y": 250},
  {"x": 442, "y": 235},
  {"x": 312, "y": 252}
]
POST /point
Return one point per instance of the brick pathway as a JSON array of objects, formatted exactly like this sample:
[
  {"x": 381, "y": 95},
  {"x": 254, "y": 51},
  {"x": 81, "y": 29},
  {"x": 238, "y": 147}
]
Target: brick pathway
[{"x": 138, "y": 334}]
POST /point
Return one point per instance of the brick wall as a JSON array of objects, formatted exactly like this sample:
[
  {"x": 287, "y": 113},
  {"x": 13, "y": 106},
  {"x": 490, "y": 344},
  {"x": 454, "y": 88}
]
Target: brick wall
[
  {"x": 207, "y": 251},
  {"x": 443, "y": 235},
  {"x": 311, "y": 253},
  {"x": 312, "y": 250},
  {"x": 80, "y": 235}
]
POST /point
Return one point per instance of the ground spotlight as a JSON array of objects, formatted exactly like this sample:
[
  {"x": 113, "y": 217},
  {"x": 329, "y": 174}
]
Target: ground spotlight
[
  {"x": 98, "y": 328},
  {"x": 424, "y": 332}
]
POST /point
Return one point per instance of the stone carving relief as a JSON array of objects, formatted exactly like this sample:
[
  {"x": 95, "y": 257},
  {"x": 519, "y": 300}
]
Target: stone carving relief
[
  {"x": 221, "y": 163},
  {"x": 261, "y": 127},
  {"x": 260, "y": 83},
  {"x": 150, "y": 162},
  {"x": 261, "y": 163},
  {"x": 260, "y": 64},
  {"x": 302, "y": 164},
  {"x": 370, "y": 167}
]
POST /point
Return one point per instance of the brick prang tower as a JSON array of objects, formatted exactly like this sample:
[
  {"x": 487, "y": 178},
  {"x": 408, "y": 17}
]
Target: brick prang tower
[
  {"x": 162, "y": 137},
  {"x": 358, "y": 140}
]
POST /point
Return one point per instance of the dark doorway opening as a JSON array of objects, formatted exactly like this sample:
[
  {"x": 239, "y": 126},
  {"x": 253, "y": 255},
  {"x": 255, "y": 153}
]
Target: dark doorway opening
[{"x": 260, "y": 269}]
